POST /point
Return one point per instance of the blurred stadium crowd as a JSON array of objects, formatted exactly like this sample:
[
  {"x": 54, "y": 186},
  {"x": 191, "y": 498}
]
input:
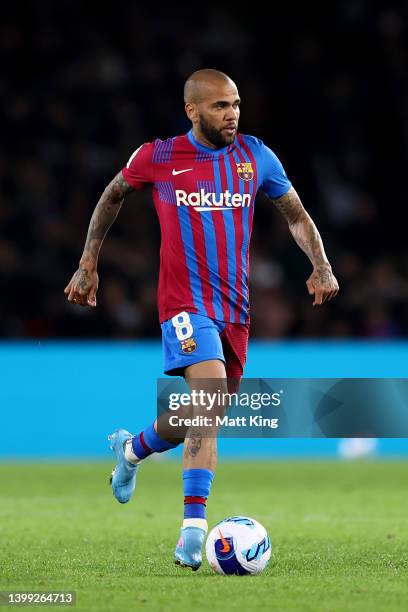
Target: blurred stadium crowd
[{"x": 82, "y": 85}]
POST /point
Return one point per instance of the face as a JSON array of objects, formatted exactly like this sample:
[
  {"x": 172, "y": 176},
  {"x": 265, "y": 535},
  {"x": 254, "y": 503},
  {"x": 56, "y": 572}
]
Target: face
[{"x": 216, "y": 116}]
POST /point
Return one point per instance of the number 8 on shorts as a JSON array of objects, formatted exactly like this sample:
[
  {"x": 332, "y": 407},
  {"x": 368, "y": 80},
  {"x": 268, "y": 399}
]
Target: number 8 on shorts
[{"x": 182, "y": 325}]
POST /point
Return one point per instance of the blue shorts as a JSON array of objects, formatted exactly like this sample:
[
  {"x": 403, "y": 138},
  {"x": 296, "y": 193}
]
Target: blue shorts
[{"x": 191, "y": 338}]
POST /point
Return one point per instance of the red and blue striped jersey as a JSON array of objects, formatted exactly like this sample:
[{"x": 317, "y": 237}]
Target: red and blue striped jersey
[{"x": 205, "y": 199}]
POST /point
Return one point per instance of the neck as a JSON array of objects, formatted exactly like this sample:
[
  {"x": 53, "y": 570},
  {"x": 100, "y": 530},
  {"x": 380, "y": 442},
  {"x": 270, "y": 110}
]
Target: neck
[{"x": 202, "y": 139}]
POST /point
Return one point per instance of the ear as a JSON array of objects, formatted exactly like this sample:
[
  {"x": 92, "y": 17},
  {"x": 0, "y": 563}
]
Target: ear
[{"x": 191, "y": 111}]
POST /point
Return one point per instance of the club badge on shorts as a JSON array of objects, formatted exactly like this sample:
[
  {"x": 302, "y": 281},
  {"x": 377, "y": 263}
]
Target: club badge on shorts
[
  {"x": 245, "y": 171},
  {"x": 189, "y": 345}
]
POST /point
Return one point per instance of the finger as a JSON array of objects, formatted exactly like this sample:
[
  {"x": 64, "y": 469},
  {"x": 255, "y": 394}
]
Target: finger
[
  {"x": 82, "y": 291},
  {"x": 81, "y": 299},
  {"x": 71, "y": 294},
  {"x": 92, "y": 297},
  {"x": 326, "y": 295},
  {"x": 318, "y": 296},
  {"x": 75, "y": 297},
  {"x": 310, "y": 287},
  {"x": 67, "y": 288},
  {"x": 333, "y": 293}
]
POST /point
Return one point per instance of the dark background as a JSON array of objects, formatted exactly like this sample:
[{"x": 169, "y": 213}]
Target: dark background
[{"x": 82, "y": 85}]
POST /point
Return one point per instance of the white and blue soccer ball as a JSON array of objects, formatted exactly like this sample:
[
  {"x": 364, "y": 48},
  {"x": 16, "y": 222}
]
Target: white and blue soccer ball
[{"x": 238, "y": 545}]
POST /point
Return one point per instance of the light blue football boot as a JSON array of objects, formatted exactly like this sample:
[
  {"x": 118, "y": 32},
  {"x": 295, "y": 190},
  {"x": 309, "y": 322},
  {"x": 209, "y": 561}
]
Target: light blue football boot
[
  {"x": 123, "y": 479},
  {"x": 188, "y": 551}
]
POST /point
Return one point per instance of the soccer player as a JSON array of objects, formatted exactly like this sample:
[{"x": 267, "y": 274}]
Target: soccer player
[{"x": 204, "y": 185}]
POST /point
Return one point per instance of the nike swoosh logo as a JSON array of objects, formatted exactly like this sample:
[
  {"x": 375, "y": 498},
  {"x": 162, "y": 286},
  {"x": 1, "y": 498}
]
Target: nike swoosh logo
[
  {"x": 175, "y": 172},
  {"x": 227, "y": 547}
]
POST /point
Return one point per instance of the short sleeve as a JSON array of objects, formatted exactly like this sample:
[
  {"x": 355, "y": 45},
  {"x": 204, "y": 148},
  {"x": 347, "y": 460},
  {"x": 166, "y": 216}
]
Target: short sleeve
[
  {"x": 138, "y": 172},
  {"x": 275, "y": 183}
]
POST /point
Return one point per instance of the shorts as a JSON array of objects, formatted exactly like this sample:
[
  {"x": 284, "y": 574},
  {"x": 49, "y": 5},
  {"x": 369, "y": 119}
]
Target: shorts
[{"x": 191, "y": 338}]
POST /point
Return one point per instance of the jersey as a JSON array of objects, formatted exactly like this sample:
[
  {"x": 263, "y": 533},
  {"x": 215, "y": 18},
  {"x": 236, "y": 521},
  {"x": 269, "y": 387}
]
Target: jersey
[{"x": 205, "y": 200}]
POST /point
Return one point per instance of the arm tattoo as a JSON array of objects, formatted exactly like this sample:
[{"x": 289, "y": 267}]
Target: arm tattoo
[
  {"x": 104, "y": 215},
  {"x": 302, "y": 227},
  {"x": 194, "y": 444}
]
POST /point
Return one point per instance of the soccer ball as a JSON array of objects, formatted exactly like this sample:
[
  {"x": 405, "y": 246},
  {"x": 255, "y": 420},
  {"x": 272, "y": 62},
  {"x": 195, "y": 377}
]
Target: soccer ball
[{"x": 238, "y": 545}]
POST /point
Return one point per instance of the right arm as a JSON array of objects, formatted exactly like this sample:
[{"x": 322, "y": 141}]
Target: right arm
[{"x": 83, "y": 286}]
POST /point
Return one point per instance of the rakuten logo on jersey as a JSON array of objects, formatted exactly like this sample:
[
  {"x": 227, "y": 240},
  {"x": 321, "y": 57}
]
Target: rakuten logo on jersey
[{"x": 204, "y": 202}]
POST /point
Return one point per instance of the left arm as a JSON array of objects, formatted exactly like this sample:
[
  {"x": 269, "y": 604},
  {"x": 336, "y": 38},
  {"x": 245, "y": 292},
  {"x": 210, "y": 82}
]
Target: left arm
[{"x": 321, "y": 283}]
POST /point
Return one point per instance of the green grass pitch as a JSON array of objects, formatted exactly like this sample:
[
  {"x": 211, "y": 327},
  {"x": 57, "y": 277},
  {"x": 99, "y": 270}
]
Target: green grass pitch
[{"x": 339, "y": 534}]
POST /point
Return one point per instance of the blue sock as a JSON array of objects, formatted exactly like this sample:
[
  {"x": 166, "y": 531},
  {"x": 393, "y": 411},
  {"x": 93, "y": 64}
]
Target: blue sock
[
  {"x": 197, "y": 485},
  {"x": 149, "y": 441}
]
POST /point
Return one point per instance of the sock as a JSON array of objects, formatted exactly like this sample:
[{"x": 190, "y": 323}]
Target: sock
[
  {"x": 129, "y": 454},
  {"x": 197, "y": 485},
  {"x": 196, "y": 522},
  {"x": 146, "y": 443}
]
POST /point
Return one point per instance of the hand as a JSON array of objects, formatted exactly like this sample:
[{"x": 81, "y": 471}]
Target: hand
[
  {"x": 83, "y": 286},
  {"x": 322, "y": 284}
]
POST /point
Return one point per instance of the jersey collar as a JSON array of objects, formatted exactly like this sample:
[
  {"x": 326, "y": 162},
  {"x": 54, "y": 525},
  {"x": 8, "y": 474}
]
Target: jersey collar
[{"x": 205, "y": 149}]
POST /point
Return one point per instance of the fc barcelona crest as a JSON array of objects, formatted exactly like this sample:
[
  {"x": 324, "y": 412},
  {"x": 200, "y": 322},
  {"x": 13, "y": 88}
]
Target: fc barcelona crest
[
  {"x": 245, "y": 171},
  {"x": 189, "y": 345}
]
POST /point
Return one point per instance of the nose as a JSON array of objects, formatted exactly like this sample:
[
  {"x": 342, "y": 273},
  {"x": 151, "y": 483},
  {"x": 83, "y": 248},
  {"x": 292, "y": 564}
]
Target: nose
[{"x": 232, "y": 113}]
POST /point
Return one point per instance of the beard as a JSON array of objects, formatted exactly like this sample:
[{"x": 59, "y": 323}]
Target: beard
[{"x": 213, "y": 135}]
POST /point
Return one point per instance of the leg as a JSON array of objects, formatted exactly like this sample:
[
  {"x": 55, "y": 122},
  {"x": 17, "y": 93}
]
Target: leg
[
  {"x": 188, "y": 340},
  {"x": 200, "y": 447},
  {"x": 202, "y": 453},
  {"x": 199, "y": 464}
]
